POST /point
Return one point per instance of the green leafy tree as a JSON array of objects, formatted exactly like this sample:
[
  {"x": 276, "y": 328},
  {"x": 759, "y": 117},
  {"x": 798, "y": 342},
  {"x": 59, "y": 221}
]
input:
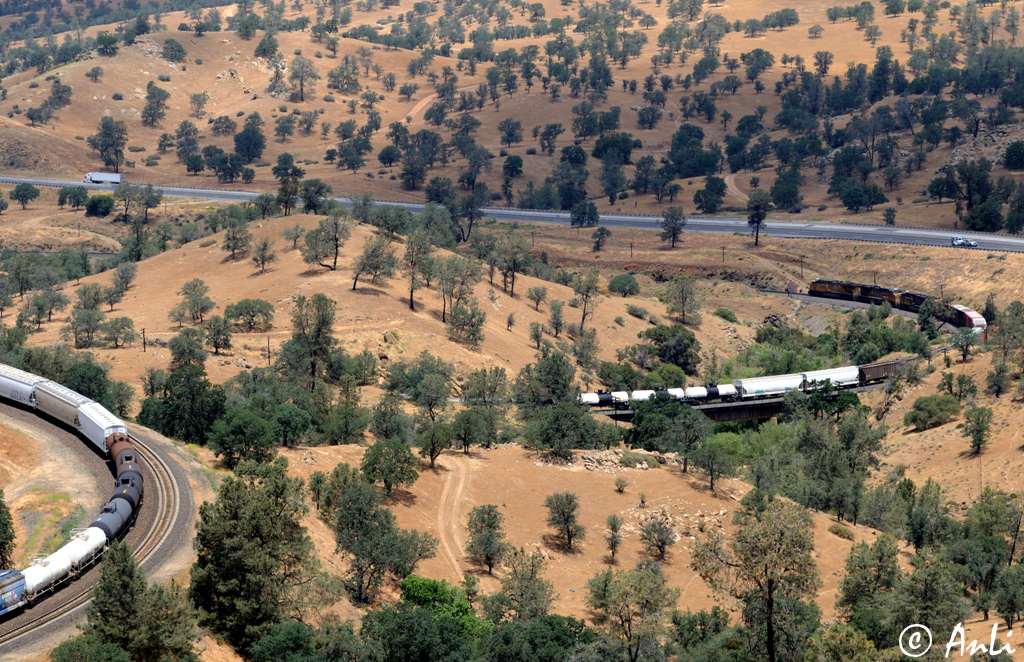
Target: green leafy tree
[
  {"x": 758, "y": 204},
  {"x": 110, "y": 141},
  {"x": 217, "y": 330},
  {"x": 251, "y": 566},
  {"x": 977, "y": 426},
  {"x": 323, "y": 244},
  {"x": 486, "y": 544},
  {"x": 624, "y": 284},
  {"x": 537, "y": 294},
  {"x": 963, "y": 340},
  {"x": 88, "y": 648},
  {"x": 24, "y": 193},
  {"x": 635, "y": 604},
  {"x": 715, "y": 459},
  {"x": 525, "y": 594},
  {"x": 433, "y": 440},
  {"x": 251, "y": 314},
  {"x": 390, "y": 461},
  {"x": 672, "y": 223},
  {"x": 7, "y": 543},
  {"x": 119, "y": 591},
  {"x": 613, "y": 537},
  {"x": 377, "y": 260},
  {"x": 240, "y": 435},
  {"x": 768, "y": 565},
  {"x": 563, "y": 516},
  {"x": 683, "y": 297}
]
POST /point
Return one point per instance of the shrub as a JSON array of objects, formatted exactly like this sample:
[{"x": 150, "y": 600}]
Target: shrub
[
  {"x": 164, "y": 78},
  {"x": 33, "y": 85},
  {"x": 634, "y": 459},
  {"x": 932, "y": 411},
  {"x": 1014, "y": 157},
  {"x": 624, "y": 284},
  {"x": 531, "y": 150},
  {"x": 240, "y": 113},
  {"x": 99, "y": 205},
  {"x": 638, "y": 312},
  {"x": 574, "y": 303},
  {"x": 118, "y": 96},
  {"x": 727, "y": 315},
  {"x": 841, "y": 531},
  {"x": 620, "y": 320},
  {"x": 620, "y": 484},
  {"x": 150, "y": 162},
  {"x": 329, "y": 98},
  {"x": 199, "y": 60}
]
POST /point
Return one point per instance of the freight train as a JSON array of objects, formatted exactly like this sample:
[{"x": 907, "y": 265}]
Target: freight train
[
  {"x": 758, "y": 387},
  {"x": 904, "y": 300},
  {"x": 107, "y": 433}
]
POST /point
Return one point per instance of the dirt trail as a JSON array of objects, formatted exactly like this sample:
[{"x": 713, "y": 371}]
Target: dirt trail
[
  {"x": 449, "y": 511},
  {"x": 42, "y": 225},
  {"x": 730, "y": 183},
  {"x": 422, "y": 103}
]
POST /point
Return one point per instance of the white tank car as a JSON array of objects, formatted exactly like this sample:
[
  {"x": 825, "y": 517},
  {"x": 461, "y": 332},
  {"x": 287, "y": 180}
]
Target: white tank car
[
  {"x": 620, "y": 397},
  {"x": 84, "y": 547},
  {"x": 44, "y": 573},
  {"x": 696, "y": 393},
  {"x": 677, "y": 393},
  {"x": 642, "y": 395},
  {"x": 591, "y": 399}
]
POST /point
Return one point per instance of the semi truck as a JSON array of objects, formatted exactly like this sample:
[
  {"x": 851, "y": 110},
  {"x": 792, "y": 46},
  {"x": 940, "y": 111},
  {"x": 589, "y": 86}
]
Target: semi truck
[{"x": 102, "y": 178}]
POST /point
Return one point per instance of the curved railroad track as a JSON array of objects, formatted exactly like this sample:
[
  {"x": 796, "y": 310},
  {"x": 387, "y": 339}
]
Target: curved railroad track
[{"x": 162, "y": 497}]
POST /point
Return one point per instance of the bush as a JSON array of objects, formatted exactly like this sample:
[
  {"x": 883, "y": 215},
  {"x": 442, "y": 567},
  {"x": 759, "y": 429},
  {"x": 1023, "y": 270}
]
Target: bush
[
  {"x": 841, "y": 531},
  {"x": 727, "y": 315},
  {"x": 150, "y": 162},
  {"x": 624, "y": 284},
  {"x": 99, "y": 205},
  {"x": 33, "y": 85},
  {"x": 164, "y": 78},
  {"x": 136, "y": 148},
  {"x": 620, "y": 320},
  {"x": 634, "y": 459},
  {"x": 531, "y": 150},
  {"x": 932, "y": 411},
  {"x": 199, "y": 60},
  {"x": 638, "y": 312},
  {"x": 329, "y": 98},
  {"x": 1014, "y": 157},
  {"x": 118, "y": 96}
]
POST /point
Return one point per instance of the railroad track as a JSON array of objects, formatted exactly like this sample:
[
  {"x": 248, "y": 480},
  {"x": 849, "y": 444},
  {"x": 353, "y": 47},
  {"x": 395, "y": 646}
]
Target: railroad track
[{"x": 161, "y": 493}]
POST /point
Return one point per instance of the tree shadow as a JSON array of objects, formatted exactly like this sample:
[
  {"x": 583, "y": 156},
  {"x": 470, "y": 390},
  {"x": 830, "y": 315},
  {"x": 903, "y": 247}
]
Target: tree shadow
[
  {"x": 372, "y": 291},
  {"x": 557, "y": 543},
  {"x": 258, "y": 273},
  {"x": 401, "y": 497}
]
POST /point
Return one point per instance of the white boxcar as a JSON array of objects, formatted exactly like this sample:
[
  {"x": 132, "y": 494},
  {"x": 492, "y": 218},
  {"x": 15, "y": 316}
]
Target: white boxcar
[
  {"x": 762, "y": 386},
  {"x": 84, "y": 547},
  {"x": 845, "y": 376},
  {"x": 59, "y": 401},
  {"x": 18, "y": 385},
  {"x": 44, "y": 573},
  {"x": 96, "y": 423}
]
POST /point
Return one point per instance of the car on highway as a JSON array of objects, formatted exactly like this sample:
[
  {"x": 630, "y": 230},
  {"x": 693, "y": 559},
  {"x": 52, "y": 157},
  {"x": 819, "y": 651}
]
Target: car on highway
[{"x": 964, "y": 243}]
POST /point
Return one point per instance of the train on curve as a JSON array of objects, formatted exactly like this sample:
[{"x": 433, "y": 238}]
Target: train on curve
[
  {"x": 110, "y": 435},
  {"x": 757, "y": 387},
  {"x": 902, "y": 299}
]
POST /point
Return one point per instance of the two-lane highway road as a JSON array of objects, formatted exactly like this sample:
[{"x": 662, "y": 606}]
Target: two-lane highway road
[{"x": 784, "y": 229}]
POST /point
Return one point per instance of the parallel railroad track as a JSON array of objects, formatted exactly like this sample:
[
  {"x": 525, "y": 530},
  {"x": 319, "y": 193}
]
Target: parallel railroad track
[{"x": 163, "y": 495}]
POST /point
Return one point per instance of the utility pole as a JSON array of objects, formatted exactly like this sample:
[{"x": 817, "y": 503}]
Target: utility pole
[
  {"x": 143, "y": 340},
  {"x": 723, "y": 254},
  {"x": 631, "y": 250},
  {"x": 268, "y": 351},
  {"x": 801, "y": 266}
]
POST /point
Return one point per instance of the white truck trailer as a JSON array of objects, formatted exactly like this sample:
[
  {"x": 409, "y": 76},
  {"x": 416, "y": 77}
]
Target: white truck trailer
[{"x": 102, "y": 178}]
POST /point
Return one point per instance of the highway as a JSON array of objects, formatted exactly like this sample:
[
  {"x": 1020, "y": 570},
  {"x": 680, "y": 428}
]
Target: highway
[{"x": 779, "y": 229}]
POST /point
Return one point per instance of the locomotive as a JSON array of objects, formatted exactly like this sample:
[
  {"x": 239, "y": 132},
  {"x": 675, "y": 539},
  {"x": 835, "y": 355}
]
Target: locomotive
[
  {"x": 107, "y": 433},
  {"x": 758, "y": 387},
  {"x": 904, "y": 300}
]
